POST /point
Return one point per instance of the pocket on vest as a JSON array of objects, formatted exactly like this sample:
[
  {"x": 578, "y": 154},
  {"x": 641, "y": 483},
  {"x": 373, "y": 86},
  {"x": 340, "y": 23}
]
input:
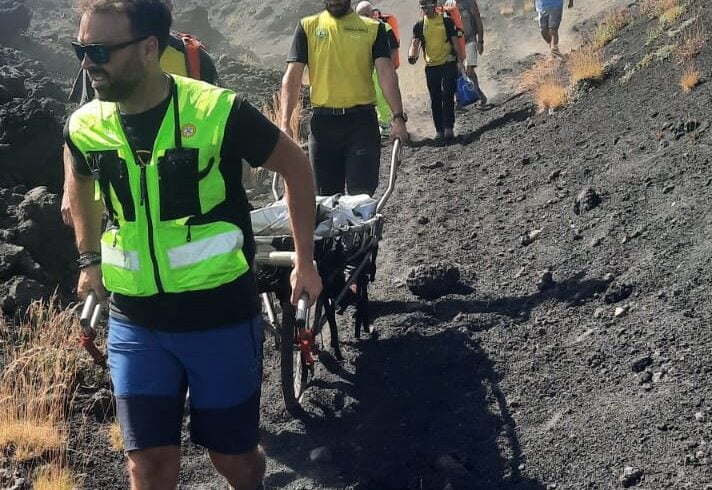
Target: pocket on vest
[{"x": 179, "y": 184}]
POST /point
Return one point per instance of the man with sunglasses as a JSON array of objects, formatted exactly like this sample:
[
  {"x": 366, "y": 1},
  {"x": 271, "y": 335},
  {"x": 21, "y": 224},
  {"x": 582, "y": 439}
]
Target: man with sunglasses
[
  {"x": 184, "y": 55},
  {"x": 341, "y": 50},
  {"x": 166, "y": 153}
]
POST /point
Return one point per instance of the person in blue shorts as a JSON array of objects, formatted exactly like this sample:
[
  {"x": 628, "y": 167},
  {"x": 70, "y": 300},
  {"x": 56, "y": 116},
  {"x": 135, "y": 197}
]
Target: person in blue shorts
[
  {"x": 166, "y": 154},
  {"x": 550, "y": 15}
]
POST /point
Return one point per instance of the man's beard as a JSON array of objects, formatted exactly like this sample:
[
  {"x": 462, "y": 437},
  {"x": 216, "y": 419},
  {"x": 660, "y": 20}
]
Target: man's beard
[
  {"x": 115, "y": 90},
  {"x": 340, "y": 10}
]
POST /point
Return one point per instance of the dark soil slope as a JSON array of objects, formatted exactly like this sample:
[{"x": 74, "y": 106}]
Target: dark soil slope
[
  {"x": 575, "y": 353},
  {"x": 597, "y": 378}
]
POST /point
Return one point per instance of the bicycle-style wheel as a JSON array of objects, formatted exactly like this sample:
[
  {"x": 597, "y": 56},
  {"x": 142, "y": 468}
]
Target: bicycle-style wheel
[{"x": 294, "y": 371}]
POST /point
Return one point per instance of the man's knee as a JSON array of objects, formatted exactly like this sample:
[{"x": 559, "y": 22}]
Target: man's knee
[
  {"x": 155, "y": 467},
  {"x": 244, "y": 470}
]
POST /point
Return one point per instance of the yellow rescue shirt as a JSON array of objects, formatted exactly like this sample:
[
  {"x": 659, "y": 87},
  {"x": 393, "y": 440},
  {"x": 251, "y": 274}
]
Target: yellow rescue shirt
[
  {"x": 435, "y": 37},
  {"x": 340, "y": 53}
]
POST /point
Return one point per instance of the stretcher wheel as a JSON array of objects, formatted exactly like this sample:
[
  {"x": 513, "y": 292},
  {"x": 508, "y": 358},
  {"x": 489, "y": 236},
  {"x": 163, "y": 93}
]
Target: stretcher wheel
[{"x": 294, "y": 370}]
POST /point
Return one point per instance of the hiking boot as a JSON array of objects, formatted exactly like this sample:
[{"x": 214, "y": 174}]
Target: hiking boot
[
  {"x": 449, "y": 134},
  {"x": 555, "y": 53}
]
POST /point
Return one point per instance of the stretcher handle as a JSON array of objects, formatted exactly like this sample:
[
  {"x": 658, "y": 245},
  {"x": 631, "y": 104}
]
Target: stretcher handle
[
  {"x": 302, "y": 308},
  {"x": 91, "y": 312},
  {"x": 395, "y": 163}
]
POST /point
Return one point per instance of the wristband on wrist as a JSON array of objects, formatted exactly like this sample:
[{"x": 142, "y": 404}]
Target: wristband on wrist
[{"x": 88, "y": 259}]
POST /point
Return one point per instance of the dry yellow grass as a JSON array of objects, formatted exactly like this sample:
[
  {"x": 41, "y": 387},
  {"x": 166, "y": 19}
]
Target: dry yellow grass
[
  {"x": 528, "y": 7},
  {"x": 611, "y": 25},
  {"x": 42, "y": 362},
  {"x": 656, "y": 8},
  {"x": 273, "y": 111},
  {"x": 585, "y": 64},
  {"x": 30, "y": 439},
  {"x": 690, "y": 79},
  {"x": 693, "y": 40},
  {"x": 115, "y": 438},
  {"x": 671, "y": 15},
  {"x": 551, "y": 95},
  {"x": 54, "y": 478},
  {"x": 542, "y": 71}
]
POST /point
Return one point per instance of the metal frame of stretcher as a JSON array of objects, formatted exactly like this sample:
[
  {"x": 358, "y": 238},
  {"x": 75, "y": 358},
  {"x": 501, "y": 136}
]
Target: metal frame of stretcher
[{"x": 347, "y": 257}]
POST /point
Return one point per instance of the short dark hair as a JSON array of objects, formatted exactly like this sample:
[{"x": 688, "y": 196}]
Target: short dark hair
[{"x": 147, "y": 17}]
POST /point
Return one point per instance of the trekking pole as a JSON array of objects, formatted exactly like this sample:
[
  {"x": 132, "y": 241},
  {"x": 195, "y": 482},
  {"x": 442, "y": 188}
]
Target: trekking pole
[{"x": 91, "y": 313}]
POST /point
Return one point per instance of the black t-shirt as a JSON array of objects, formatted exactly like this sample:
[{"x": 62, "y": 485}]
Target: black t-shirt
[{"x": 249, "y": 135}]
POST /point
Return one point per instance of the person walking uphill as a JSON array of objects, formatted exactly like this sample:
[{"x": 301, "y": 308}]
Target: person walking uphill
[
  {"x": 550, "y": 15},
  {"x": 474, "y": 38},
  {"x": 341, "y": 49},
  {"x": 166, "y": 152},
  {"x": 437, "y": 36}
]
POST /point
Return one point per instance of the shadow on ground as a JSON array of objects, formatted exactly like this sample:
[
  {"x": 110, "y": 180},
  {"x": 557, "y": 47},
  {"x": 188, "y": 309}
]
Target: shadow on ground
[
  {"x": 573, "y": 291},
  {"x": 418, "y": 412}
]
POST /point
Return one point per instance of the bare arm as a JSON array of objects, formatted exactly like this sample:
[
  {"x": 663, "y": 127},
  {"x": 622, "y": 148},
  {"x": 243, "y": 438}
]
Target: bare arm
[
  {"x": 291, "y": 87},
  {"x": 479, "y": 27},
  {"x": 413, "y": 51},
  {"x": 292, "y": 164},
  {"x": 391, "y": 91},
  {"x": 68, "y": 175},
  {"x": 86, "y": 214}
]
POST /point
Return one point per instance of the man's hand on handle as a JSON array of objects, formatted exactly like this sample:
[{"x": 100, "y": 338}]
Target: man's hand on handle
[
  {"x": 90, "y": 280},
  {"x": 399, "y": 131},
  {"x": 305, "y": 279}
]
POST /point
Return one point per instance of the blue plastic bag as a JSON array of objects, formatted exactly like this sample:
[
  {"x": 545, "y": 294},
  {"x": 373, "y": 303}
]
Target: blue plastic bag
[{"x": 467, "y": 92}]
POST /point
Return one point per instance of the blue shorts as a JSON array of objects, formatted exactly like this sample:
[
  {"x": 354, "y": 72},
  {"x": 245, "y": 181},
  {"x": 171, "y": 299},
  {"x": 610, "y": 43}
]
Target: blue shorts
[{"x": 152, "y": 371}]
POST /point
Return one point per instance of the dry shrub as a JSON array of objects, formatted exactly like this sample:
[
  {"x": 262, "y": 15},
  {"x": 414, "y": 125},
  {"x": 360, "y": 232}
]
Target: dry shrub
[
  {"x": 690, "y": 79},
  {"x": 273, "y": 111},
  {"x": 542, "y": 71},
  {"x": 693, "y": 40},
  {"x": 37, "y": 383},
  {"x": 115, "y": 438},
  {"x": 551, "y": 95},
  {"x": 655, "y": 8},
  {"x": 585, "y": 64},
  {"x": 611, "y": 25},
  {"x": 54, "y": 478},
  {"x": 671, "y": 15}
]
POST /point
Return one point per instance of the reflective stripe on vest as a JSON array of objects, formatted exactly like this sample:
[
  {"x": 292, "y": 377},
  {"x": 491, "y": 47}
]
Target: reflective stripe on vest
[
  {"x": 120, "y": 258},
  {"x": 168, "y": 233},
  {"x": 205, "y": 249}
]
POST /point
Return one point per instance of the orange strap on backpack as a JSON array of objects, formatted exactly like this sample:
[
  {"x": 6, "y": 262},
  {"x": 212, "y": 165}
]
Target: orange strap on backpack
[
  {"x": 453, "y": 13},
  {"x": 192, "y": 54},
  {"x": 393, "y": 22}
]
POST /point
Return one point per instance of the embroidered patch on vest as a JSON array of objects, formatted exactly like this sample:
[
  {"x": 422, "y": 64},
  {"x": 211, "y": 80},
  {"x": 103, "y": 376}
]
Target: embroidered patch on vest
[{"x": 188, "y": 130}]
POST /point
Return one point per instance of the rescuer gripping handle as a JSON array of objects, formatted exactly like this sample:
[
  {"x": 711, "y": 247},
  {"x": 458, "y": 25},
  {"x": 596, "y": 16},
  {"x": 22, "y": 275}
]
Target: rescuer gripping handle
[{"x": 302, "y": 308}]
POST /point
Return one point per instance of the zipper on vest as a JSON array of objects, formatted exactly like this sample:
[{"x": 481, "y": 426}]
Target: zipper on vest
[
  {"x": 188, "y": 236},
  {"x": 151, "y": 245}
]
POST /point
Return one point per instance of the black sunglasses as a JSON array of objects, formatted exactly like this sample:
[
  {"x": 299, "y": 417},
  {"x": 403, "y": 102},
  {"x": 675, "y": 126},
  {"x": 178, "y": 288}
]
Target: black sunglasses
[{"x": 100, "y": 53}]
